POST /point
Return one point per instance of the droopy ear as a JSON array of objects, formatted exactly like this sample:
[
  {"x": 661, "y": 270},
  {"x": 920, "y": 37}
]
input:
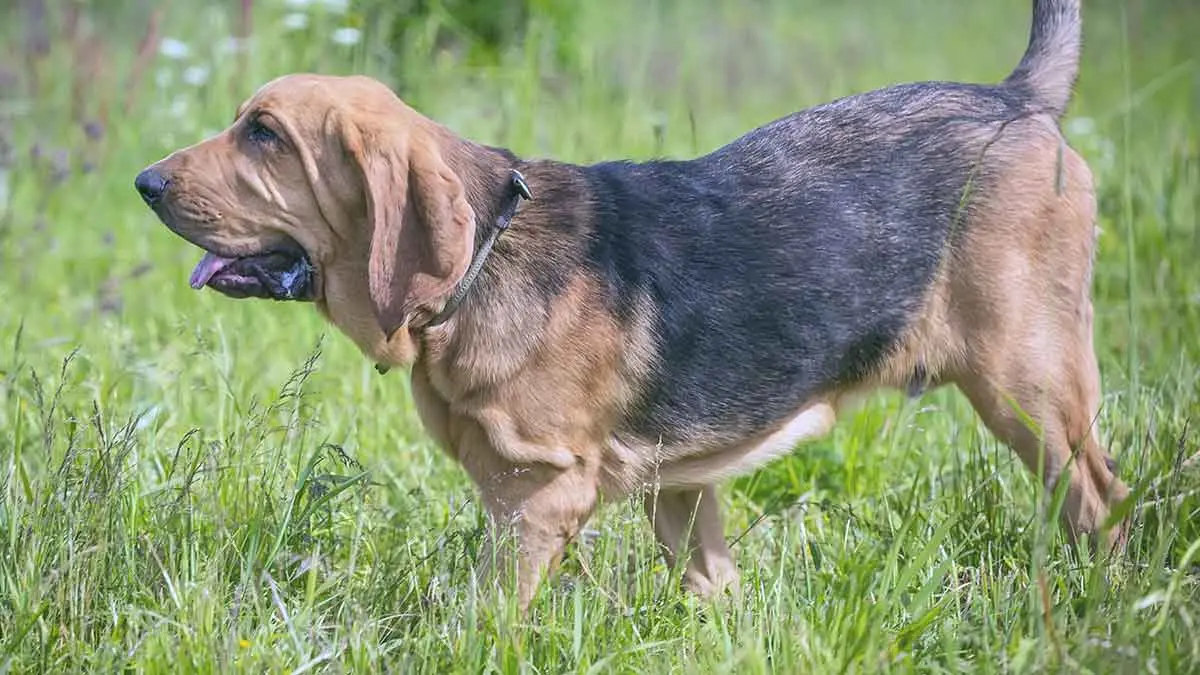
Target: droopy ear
[{"x": 422, "y": 225}]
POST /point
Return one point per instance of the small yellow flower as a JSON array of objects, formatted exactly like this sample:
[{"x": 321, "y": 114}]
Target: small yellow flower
[{"x": 244, "y": 643}]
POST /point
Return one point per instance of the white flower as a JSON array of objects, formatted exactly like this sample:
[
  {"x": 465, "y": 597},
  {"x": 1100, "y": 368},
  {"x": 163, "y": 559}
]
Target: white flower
[
  {"x": 173, "y": 49},
  {"x": 178, "y": 107},
  {"x": 195, "y": 75},
  {"x": 336, "y": 6},
  {"x": 346, "y": 36},
  {"x": 233, "y": 45},
  {"x": 295, "y": 21}
]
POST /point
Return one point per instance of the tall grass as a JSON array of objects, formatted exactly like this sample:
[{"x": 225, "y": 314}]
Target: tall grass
[{"x": 194, "y": 484}]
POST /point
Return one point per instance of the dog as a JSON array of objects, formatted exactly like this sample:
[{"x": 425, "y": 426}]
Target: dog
[{"x": 577, "y": 334}]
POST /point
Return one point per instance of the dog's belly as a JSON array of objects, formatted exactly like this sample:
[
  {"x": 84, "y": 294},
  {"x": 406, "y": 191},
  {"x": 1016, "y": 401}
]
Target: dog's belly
[
  {"x": 644, "y": 463},
  {"x": 811, "y": 422}
]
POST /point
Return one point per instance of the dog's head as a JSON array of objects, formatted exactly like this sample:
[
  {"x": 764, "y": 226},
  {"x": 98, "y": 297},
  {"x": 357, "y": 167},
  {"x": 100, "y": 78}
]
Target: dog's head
[{"x": 327, "y": 189}]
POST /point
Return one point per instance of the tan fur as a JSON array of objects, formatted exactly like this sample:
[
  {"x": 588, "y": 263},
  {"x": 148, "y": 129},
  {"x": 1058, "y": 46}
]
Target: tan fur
[
  {"x": 1010, "y": 319},
  {"x": 1021, "y": 304},
  {"x": 688, "y": 525},
  {"x": 528, "y": 398}
]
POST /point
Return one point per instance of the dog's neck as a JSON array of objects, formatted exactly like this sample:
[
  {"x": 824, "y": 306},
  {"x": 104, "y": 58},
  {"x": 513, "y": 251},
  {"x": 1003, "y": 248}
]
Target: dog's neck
[{"x": 504, "y": 314}]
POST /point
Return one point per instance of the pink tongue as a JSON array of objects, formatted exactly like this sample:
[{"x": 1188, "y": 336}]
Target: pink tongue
[{"x": 208, "y": 266}]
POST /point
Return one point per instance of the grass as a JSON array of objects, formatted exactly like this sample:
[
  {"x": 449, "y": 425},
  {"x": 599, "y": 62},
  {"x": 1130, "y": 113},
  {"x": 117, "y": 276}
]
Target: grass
[{"x": 194, "y": 484}]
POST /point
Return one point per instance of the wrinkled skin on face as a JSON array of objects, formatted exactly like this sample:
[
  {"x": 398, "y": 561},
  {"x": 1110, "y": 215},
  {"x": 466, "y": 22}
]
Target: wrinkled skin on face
[
  {"x": 324, "y": 189},
  {"x": 245, "y": 197}
]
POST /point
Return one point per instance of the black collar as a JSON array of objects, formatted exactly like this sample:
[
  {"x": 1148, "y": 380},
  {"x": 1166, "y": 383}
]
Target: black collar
[{"x": 518, "y": 189}]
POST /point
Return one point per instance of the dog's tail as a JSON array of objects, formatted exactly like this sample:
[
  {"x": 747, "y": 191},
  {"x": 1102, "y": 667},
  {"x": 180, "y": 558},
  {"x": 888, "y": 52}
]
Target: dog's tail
[{"x": 1048, "y": 70}]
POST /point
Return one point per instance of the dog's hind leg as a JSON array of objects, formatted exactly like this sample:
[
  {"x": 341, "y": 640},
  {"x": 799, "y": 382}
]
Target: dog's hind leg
[
  {"x": 1044, "y": 405},
  {"x": 688, "y": 525},
  {"x": 1020, "y": 300}
]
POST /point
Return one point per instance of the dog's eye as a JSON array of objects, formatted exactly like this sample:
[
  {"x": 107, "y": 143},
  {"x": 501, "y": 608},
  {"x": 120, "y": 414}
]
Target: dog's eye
[{"x": 258, "y": 132}]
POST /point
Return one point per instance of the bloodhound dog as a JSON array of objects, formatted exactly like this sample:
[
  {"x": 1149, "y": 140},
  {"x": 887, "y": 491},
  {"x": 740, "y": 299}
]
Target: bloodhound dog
[{"x": 587, "y": 333}]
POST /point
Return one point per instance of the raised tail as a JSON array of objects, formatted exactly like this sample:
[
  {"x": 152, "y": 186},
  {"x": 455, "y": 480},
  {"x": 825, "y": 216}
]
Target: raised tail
[{"x": 1048, "y": 70}]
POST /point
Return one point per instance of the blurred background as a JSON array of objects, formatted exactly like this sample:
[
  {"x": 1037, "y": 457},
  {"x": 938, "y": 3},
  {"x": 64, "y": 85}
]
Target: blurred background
[{"x": 156, "y": 443}]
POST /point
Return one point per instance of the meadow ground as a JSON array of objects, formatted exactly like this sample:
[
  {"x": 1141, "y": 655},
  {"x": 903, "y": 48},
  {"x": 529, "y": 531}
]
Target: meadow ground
[{"x": 194, "y": 484}]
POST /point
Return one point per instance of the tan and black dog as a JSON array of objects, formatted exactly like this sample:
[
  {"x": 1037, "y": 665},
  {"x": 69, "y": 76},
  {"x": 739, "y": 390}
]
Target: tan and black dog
[{"x": 581, "y": 333}]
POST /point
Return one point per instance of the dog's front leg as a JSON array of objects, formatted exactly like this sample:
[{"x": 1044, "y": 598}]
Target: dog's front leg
[
  {"x": 534, "y": 508},
  {"x": 534, "y": 511}
]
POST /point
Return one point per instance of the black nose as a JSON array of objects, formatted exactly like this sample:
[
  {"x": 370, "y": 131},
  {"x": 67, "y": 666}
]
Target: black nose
[{"x": 150, "y": 185}]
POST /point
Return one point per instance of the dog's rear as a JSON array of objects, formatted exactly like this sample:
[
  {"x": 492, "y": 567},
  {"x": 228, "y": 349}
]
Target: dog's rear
[{"x": 1010, "y": 319}]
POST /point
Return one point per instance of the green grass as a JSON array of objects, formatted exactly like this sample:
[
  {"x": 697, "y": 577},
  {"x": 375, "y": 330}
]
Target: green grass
[{"x": 194, "y": 484}]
